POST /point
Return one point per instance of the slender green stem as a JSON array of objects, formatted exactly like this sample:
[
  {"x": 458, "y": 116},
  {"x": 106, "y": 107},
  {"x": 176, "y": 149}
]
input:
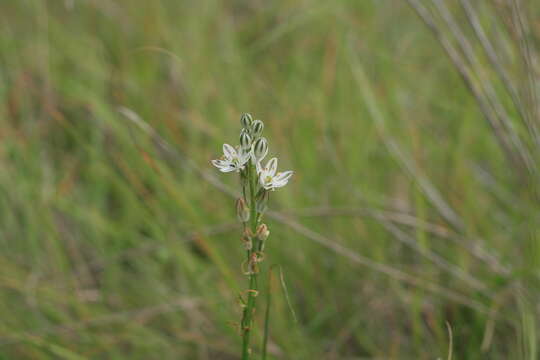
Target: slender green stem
[
  {"x": 267, "y": 315},
  {"x": 249, "y": 310},
  {"x": 248, "y": 317}
]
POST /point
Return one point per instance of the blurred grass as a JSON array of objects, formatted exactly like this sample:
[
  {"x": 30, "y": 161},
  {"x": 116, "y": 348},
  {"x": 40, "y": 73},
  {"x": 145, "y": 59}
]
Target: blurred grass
[{"x": 109, "y": 243}]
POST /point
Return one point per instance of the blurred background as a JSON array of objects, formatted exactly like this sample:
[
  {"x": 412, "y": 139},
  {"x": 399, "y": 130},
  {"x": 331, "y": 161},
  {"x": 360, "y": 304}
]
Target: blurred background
[{"x": 411, "y": 225}]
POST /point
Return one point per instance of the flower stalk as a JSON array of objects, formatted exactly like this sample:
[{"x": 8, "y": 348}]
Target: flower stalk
[{"x": 256, "y": 183}]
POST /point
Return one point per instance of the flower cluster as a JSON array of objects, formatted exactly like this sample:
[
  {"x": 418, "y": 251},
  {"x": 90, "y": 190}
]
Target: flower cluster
[
  {"x": 257, "y": 181},
  {"x": 255, "y": 147}
]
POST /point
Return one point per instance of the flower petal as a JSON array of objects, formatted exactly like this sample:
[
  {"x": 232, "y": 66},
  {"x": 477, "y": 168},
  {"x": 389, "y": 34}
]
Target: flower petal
[
  {"x": 229, "y": 151},
  {"x": 243, "y": 157},
  {"x": 271, "y": 166},
  {"x": 263, "y": 178},
  {"x": 283, "y": 176},
  {"x": 227, "y": 168},
  {"x": 224, "y": 165},
  {"x": 278, "y": 184},
  {"x": 216, "y": 163}
]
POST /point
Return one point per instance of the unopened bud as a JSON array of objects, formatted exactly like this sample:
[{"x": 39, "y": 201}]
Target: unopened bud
[
  {"x": 245, "y": 140},
  {"x": 262, "y": 232},
  {"x": 260, "y": 148},
  {"x": 257, "y": 128},
  {"x": 246, "y": 119},
  {"x": 242, "y": 210},
  {"x": 261, "y": 202},
  {"x": 248, "y": 244},
  {"x": 248, "y": 233}
]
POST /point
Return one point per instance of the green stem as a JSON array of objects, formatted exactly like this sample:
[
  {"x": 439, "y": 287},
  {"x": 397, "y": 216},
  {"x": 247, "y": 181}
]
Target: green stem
[
  {"x": 267, "y": 315},
  {"x": 249, "y": 310},
  {"x": 248, "y": 318}
]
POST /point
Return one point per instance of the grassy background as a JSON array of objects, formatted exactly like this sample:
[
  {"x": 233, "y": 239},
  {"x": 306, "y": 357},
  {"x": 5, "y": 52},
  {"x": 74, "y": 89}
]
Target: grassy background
[{"x": 115, "y": 248}]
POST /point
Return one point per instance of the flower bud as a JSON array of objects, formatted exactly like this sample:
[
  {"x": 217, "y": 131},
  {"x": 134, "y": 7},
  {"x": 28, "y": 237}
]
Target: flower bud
[
  {"x": 246, "y": 119},
  {"x": 261, "y": 202},
  {"x": 245, "y": 140},
  {"x": 248, "y": 244},
  {"x": 260, "y": 148},
  {"x": 248, "y": 233},
  {"x": 257, "y": 128},
  {"x": 242, "y": 211},
  {"x": 262, "y": 232}
]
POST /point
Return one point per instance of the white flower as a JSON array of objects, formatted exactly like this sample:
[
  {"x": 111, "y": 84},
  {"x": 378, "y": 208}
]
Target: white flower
[
  {"x": 232, "y": 159},
  {"x": 268, "y": 177}
]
